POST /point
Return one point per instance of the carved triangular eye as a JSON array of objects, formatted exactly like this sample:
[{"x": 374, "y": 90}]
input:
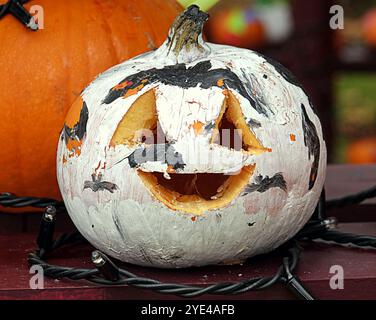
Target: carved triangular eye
[
  {"x": 152, "y": 135},
  {"x": 140, "y": 123},
  {"x": 227, "y": 135},
  {"x": 231, "y": 129}
]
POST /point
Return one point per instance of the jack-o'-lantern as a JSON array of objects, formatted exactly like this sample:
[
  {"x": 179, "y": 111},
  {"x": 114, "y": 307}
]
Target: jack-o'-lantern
[{"x": 192, "y": 154}]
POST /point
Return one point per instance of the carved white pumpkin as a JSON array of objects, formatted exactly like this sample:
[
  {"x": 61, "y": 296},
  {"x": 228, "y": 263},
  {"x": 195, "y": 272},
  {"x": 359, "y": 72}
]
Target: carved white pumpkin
[{"x": 189, "y": 198}]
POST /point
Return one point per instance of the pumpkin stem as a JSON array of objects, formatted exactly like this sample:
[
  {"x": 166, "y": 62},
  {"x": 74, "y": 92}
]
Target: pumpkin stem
[{"x": 185, "y": 37}]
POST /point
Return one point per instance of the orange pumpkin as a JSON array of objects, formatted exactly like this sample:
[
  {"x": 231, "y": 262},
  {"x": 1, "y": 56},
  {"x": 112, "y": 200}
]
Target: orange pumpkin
[
  {"x": 43, "y": 72},
  {"x": 369, "y": 27},
  {"x": 362, "y": 151},
  {"x": 236, "y": 26}
]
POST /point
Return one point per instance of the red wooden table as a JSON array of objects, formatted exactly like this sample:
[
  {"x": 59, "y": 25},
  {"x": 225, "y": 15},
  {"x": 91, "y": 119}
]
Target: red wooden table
[{"x": 17, "y": 238}]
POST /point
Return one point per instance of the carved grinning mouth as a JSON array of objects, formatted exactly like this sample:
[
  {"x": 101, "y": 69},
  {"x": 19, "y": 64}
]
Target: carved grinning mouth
[
  {"x": 196, "y": 193},
  {"x": 193, "y": 193}
]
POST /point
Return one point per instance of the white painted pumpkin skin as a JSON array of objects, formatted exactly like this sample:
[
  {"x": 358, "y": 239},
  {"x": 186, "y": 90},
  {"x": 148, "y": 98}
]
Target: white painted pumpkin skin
[{"x": 120, "y": 216}]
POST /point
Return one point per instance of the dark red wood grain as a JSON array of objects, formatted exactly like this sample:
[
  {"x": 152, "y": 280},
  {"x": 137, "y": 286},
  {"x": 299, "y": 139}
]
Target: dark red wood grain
[
  {"x": 342, "y": 179},
  {"x": 348, "y": 179},
  {"x": 313, "y": 269}
]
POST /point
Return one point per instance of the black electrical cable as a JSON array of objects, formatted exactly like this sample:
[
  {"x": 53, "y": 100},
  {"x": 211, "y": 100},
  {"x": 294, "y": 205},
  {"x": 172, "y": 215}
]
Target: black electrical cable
[
  {"x": 283, "y": 274},
  {"x": 107, "y": 273},
  {"x": 117, "y": 276},
  {"x": 347, "y": 239},
  {"x": 351, "y": 199},
  {"x": 293, "y": 282},
  {"x": 10, "y": 200},
  {"x": 15, "y": 8},
  {"x": 4, "y": 8}
]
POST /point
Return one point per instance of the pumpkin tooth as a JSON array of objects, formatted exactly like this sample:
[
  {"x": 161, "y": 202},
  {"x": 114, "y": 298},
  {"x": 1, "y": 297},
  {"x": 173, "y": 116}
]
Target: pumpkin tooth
[{"x": 220, "y": 189}]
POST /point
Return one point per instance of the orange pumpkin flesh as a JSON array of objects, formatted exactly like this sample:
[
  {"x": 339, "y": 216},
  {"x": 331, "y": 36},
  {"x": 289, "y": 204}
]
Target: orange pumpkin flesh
[
  {"x": 141, "y": 115},
  {"x": 198, "y": 192},
  {"x": 232, "y": 114},
  {"x": 43, "y": 72}
]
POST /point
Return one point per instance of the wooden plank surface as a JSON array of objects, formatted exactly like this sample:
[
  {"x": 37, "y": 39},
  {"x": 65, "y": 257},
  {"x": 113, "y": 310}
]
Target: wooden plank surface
[
  {"x": 343, "y": 179},
  {"x": 359, "y": 271},
  {"x": 348, "y": 179}
]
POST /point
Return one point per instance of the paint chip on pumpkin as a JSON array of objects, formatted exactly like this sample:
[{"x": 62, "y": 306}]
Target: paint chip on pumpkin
[{"x": 197, "y": 127}]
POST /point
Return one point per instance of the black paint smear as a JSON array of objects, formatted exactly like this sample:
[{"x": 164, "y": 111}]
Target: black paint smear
[
  {"x": 254, "y": 123},
  {"x": 263, "y": 184},
  {"x": 312, "y": 141},
  {"x": 250, "y": 79},
  {"x": 79, "y": 129},
  {"x": 310, "y": 103},
  {"x": 165, "y": 153},
  {"x": 181, "y": 76},
  {"x": 98, "y": 185},
  {"x": 210, "y": 126}
]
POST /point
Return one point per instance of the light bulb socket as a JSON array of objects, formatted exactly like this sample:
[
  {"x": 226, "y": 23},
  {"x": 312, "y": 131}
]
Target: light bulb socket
[
  {"x": 105, "y": 266},
  {"x": 47, "y": 229},
  {"x": 330, "y": 223},
  {"x": 49, "y": 214},
  {"x": 97, "y": 259}
]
